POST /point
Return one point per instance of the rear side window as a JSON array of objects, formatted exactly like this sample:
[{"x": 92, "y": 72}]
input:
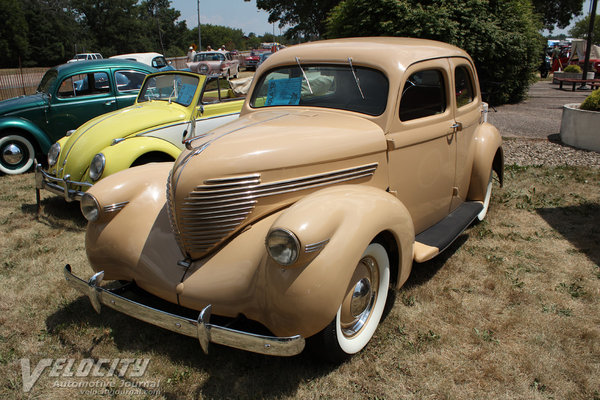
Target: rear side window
[
  {"x": 129, "y": 80},
  {"x": 424, "y": 94},
  {"x": 464, "y": 86},
  {"x": 84, "y": 85}
]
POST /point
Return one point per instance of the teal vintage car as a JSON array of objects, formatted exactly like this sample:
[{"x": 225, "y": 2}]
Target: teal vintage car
[{"x": 67, "y": 96}]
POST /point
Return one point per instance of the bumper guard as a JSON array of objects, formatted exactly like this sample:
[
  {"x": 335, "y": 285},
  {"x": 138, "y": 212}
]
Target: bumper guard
[
  {"x": 61, "y": 187},
  {"x": 200, "y": 328}
]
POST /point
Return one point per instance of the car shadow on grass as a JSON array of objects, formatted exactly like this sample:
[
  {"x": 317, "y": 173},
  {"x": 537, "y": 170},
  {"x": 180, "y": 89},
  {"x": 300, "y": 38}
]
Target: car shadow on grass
[
  {"x": 580, "y": 225},
  {"x": 225, "y": 372},
  {"x": 57, "y": 213}
]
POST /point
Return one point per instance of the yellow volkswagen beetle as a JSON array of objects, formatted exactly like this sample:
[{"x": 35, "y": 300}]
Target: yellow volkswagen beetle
[{"x": 171, "y": 107}]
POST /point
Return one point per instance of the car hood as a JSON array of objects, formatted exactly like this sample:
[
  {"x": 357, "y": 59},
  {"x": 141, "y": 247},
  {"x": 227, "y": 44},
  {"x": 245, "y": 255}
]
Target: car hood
[
  {"x": 93, "y": 136},
  {"x": 22, "y": 103},
  {"x": 272, "y": 158}
]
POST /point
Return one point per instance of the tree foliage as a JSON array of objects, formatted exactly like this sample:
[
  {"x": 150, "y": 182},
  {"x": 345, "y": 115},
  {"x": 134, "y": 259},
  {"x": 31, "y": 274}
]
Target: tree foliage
[
  {"x": 502, "y": 36},
  {"x": 557, "y": 12},
  {"x": 581, "y": 27},
  {"x": 307, "y": 18}
]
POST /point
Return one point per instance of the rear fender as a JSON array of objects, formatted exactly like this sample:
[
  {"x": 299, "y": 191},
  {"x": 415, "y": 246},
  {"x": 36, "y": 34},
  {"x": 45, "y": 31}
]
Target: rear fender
[
  {"x": 488, "y": 156},
  {"x": 339, "y": 222}
]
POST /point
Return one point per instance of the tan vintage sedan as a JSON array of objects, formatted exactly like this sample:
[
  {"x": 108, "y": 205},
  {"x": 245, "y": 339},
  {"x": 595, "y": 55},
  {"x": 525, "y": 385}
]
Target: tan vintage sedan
[{"x": 351, "y": 160}]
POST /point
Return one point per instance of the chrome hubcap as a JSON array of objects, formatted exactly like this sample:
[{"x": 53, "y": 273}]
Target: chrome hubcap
[
  {"x": 12, "y": 154},
  {"x": 360, "y": 299}
]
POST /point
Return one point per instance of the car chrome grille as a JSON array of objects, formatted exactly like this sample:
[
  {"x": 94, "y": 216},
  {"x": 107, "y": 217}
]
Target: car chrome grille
[{"x": 212, "y": 212}]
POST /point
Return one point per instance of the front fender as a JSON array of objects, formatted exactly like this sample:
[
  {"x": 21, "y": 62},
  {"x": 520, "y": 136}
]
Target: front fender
[
  {"x": 22, "y": 124},
  {"x": 309, "y": 293},
  {"x": 122, "y": 155},
  {"x": 488, "y": 156}
]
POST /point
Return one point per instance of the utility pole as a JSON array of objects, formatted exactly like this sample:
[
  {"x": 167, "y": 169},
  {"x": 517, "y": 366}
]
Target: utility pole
[
  {"x": 588, "y": 47},
  {"x": 199, "y": 34}
]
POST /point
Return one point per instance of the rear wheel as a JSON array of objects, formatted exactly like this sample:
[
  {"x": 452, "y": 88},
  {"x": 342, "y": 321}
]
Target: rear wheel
[
  {"x": 16, "y": 154},
  {"x": 362, "y": 307}
]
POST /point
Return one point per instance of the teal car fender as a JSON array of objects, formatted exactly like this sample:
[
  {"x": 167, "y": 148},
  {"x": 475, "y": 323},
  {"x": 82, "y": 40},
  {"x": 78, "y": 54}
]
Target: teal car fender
[{"x": 25, "y": 126}]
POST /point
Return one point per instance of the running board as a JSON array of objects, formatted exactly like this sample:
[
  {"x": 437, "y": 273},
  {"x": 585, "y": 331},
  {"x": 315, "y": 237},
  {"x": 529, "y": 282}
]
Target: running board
[{"x": 436, "y": 239}]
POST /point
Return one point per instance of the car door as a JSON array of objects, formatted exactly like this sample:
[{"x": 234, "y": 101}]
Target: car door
[
  {"x": 79, "y": 98},
  {"x": 421, "y": 145},
  {"x": 467, "y": 115},
  {"x": 217, "y": 107}
]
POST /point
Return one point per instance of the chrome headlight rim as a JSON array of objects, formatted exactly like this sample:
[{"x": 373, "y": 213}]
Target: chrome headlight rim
[
  {"x": 97, "y": 166},
  {"x": 90, "y": 208},
  {"x": 53, "y": 154},
  {"x": 283, "y": 246}
]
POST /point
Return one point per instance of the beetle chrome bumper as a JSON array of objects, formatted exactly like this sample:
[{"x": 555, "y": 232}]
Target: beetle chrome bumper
[
  {"x": 200, "y": 328},
  {"x": 61, "y": 187}
]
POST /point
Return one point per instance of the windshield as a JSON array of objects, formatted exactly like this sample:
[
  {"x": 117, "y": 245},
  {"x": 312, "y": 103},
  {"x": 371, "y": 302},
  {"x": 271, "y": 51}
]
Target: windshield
[
  {"x": 47, "y": 81},
  {"x": 209, "y": 57},
  {"x": 175, "y": 88},
  {"x": 343, "y": 87},
  {"x": 159, "y": 62}
]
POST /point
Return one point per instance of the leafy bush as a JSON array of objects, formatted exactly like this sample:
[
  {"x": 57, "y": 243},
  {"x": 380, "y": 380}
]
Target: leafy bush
[
  {"x": 573, "y": 68},
  {"x": 502, "y": 37},
  {"x": 592, "y": 102}
]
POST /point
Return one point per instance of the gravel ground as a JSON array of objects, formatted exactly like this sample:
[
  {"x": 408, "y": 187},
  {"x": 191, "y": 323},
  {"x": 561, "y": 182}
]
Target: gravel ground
[{"x": 531, "y": 129}]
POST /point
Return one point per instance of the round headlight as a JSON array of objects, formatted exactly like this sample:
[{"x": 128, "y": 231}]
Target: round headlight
[
  {"x": 89, "y": 207},
  {"x": 97, "y": 166},
  {"x": 203, "y": 69},
  {"x": 53, "y": 154},
  {"x": 283, "y": 246}
]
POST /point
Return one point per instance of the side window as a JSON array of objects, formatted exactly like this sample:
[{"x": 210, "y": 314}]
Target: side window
[
  {"x": 464, "y": 86},
  {"x": 215, "y": 90},
  {"x": 129, "y": 80},
  {"x": 424, "y": 94},
  {"x": 84, "y": 85}
]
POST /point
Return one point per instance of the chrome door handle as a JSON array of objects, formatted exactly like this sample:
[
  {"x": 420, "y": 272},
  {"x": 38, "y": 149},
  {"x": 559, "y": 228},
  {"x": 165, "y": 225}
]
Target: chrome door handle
[
  {"x": 457, "y": 126},
  {"x": 110, "y": 102}
]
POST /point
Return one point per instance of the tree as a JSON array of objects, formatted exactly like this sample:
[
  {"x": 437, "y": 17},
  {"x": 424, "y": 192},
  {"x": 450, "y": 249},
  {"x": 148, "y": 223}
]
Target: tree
[
  {"x": 502, "y": 37},
  {"x": 306, "y": 17},
  {"x": 13, "y": 33},
  {"x": 557, "y": 12},
  {"x": 580, "y": 30}
]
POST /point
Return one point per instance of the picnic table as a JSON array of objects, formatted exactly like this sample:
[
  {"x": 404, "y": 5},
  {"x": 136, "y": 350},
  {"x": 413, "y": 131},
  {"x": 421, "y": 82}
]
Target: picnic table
[{"x": 594, "y": 83}]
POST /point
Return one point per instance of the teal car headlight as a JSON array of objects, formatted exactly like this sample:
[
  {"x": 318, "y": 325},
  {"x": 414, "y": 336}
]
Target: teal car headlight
[
  {"x": 97, "y": 166},
  {"x": 283, "y": 246},
  {"x": 53, "y": 154},
  {"x": 89, "y": 207}
]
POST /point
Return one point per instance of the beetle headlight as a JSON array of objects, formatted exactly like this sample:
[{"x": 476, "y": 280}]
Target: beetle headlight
[
  {"x": 89, "y": 207},
  {"x": 283, "y": 246},
  {"x": 53, "y": 154},
  {"x": 97, "y": 166}
]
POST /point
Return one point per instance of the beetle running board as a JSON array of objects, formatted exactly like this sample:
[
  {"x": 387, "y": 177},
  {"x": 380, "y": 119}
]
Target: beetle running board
[{"x": 437, "y": 238}]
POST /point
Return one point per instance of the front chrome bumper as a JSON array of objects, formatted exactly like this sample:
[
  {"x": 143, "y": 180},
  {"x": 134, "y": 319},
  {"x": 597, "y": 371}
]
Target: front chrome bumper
[
  {"x": 200, "y": 328},
  {"x": 61, "y": 187}
]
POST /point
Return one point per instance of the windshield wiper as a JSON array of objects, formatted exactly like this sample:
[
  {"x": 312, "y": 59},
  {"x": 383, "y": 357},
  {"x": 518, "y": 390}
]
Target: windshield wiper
[
  {"x": 356, "y": 78},
  {"x": 305, "y": 77}
]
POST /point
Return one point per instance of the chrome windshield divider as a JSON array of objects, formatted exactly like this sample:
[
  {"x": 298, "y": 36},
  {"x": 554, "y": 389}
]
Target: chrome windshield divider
[
  {"x": 305, "y": 77},
  {"x": 356, "y": 78}
]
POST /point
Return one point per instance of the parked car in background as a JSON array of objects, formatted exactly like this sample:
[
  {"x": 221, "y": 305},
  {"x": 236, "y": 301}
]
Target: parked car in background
[
  {"x": 351, "y": 160},
  {"x": 263, "y": 57},
  {"x": 171, "y": 106},
  {"x": 67, "y": 96},
  {"x": 155, "y": 60},
  {"x": 220, "y": 63},
  {"x": 85, "y": 57},
  {"x": 251, "y": 61}
]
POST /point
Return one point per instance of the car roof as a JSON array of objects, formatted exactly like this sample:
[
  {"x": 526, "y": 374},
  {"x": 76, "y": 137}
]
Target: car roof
[
  {"x": 138, "y": 56},
  {"x": 385, "y": 52},
  {"x": 102, "y": 64}
]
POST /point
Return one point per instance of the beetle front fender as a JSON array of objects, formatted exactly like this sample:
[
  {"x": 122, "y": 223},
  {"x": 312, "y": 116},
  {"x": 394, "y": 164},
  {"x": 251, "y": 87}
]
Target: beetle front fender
[
  {"x": 343, "y": 220},
  {"x": 24, "y": 125},
  {"x": 488, "y": 156},
  {"x": 122, "y": 155}
]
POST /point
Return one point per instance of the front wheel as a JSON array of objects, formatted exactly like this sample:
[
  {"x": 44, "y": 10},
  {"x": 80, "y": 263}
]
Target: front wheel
[
  {"x": 362, "y": 307},
  {"x": 16, "y": 154}
]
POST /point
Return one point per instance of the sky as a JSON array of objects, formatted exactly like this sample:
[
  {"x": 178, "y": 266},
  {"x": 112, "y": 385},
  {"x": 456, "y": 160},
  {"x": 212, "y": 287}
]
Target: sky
[{"x": 236, "y": 14}]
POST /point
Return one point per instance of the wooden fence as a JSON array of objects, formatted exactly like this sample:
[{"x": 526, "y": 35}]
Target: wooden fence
[{"x": 19, "y": 82}]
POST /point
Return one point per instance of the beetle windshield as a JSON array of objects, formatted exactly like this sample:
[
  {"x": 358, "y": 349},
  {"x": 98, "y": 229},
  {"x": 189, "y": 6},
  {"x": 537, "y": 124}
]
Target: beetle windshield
[
  {"x": 343, "y": 87},
  {"x": 174, "y": 88},
  {"x": 47, "y": 81}
]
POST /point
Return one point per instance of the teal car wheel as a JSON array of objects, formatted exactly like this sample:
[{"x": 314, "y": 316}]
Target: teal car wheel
[{"x": 16, "y": 154}]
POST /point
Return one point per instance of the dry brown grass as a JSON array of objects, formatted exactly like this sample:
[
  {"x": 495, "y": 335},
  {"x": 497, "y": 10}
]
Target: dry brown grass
[{"x": 510, "y": 311}]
